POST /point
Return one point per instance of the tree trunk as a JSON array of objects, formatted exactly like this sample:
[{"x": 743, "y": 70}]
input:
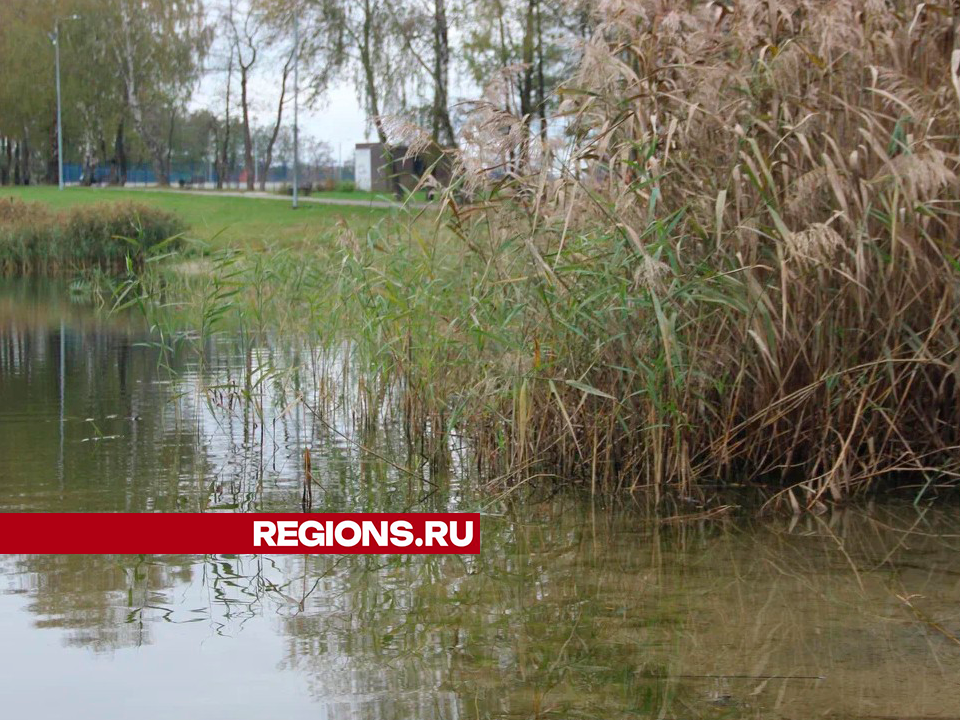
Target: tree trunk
[
  {"x": 89, "y": 166},
  {"x": 442, "y": 126},
  {"x": 16, "y": 165},
  {"x": 221, "y": 162},
  {"x": 373, "y": 99},
  {"x": 268, "y": 157},
  {"x": 25, "y": 158},
  {"x": 118, "y": 170},
  {"x": 247, "y": 138},
  {"x": 168, "y": 163},
  {"x": 511, "y": 162},
  {"x": 154, "y": 146},
  {"x": 52, "y": 174},
  {"x": 526, "y": 82},
  {"x": 541, "y": 86},
  {"x": 6, "y": 160},
  {"x": 104, "y": 156},
  {"x": 224, "y": 169}
]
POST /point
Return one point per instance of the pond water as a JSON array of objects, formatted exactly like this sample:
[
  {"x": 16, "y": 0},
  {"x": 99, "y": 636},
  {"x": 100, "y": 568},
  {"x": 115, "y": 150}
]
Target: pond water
[{"x": 572, "y": 610}]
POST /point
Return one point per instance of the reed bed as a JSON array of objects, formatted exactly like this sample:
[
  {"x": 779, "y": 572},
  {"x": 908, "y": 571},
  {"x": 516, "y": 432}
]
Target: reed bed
[
  {"x": 738, "y": 264},
  {"x": 110, "y": 236}
]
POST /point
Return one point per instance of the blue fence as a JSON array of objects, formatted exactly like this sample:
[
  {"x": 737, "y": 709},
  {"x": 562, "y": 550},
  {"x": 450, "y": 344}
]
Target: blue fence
[
  {"x": 139, "y": 174},
  {"x": 201, "y": 173}
]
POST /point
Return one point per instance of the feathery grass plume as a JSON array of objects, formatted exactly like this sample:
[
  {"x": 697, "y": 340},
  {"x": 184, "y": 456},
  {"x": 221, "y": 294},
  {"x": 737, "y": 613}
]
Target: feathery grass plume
[
  {"x": 923, "y": 174},
  {"x": 818, "y": 242},
  {"x": 699, "y": 136}
]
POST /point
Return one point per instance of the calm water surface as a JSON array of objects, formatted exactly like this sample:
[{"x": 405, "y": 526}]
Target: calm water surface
[{"x": 571, "y": 611}]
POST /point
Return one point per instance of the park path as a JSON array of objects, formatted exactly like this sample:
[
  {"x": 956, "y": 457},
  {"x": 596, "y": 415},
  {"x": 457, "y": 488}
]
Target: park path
[{"x": 258, "y": 195}]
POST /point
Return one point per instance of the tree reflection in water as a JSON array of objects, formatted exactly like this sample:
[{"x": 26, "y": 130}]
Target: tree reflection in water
[
  {"x": 569, "y": 613},
  {"x": 570, "y": 610}
]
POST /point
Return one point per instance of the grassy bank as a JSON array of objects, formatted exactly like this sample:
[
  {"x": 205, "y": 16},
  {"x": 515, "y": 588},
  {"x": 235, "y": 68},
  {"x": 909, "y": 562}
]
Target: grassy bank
[
  {"x": 742, "y": 267},
  {"x": 222, "y": 221}
]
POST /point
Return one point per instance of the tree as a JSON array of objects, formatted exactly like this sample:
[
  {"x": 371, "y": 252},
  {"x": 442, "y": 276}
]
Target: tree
[
  {"x": 422, "y": 27},
  {"x": 158, "y": 49},
  {"x": 245, "y": 27},
  {"x": 27, "y": 90},
  {"x": 528, "y": 45},
  {"x": 355, "y": 39},
  {"x": 317, "y": 156},
  {"x": 442, "y": 126},
  {"x": 96, "y": 99},
  {"x": 193, "y": 139},
  {"x": 221, "y": 130},
  {"x": 271, "y": 136}
]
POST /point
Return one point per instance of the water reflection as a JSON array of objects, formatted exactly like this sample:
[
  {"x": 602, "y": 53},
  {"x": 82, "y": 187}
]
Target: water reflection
[
  {"x": 570, "y": 611},
  {"x": 95, "y": 416}
]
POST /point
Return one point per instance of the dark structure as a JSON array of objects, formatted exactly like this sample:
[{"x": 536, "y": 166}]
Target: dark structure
[{"x": 377, "y": 170}]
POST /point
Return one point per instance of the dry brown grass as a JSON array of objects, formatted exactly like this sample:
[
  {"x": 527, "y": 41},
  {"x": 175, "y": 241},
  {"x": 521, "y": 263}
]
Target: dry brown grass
[{"x": 747, "y": 264}]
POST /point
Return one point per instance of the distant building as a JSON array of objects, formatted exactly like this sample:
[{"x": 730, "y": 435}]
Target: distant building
[{"x": 375, "y": 170}]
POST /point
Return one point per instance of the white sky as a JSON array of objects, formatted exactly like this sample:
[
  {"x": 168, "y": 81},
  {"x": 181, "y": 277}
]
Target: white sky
[{"x": 336, "y": 118}]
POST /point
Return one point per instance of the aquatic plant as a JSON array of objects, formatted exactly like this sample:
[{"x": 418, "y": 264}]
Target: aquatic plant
[
  {"x": 114, "y": 236},
  {"x": 738, "y": 264}
]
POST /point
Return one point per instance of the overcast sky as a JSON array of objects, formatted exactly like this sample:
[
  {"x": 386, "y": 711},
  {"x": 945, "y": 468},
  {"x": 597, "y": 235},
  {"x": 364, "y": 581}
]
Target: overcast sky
[{"x": 336, "y": 118}]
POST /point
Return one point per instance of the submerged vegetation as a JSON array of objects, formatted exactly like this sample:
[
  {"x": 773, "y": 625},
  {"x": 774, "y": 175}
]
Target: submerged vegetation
[
  {"x": 740, "y": 264},
  {"x": 34, "y": 239}
]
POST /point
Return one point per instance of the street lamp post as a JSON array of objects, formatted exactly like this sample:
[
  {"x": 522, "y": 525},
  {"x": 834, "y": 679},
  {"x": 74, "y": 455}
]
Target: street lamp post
[
  {"x": 56, "y": 44},
  {"x": 296, "y": 91}
]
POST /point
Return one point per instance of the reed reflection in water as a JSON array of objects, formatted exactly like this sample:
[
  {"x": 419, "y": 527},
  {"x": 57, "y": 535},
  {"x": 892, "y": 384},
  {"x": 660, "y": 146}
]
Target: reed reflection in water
[
  {"x": 573, "y": 612},
  {"x": 96, "y": 415}
]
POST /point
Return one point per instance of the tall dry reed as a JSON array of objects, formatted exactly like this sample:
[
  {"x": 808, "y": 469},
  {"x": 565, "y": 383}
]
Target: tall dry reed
[
  {"x": 740, "y": 261},
  {"x": 735, "y": 261}
]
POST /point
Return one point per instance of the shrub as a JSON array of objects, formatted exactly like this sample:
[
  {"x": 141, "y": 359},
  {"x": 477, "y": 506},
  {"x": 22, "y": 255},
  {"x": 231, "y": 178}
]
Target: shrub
[
  {"x": 346, "y": 186},
  {"x": 35, "y": 239}
]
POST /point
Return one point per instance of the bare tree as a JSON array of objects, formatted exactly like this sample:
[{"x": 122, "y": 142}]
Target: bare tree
[
  {"x": 246, "y": 39},
  {"x": 275, "y": 132},
  {"x": 357, "y": 38},
  {"x": 221, "y": 133}
]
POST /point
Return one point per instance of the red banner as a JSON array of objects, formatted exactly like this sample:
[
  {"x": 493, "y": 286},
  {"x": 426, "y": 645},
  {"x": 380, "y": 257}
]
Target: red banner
[{"x": 239, "y": 533}]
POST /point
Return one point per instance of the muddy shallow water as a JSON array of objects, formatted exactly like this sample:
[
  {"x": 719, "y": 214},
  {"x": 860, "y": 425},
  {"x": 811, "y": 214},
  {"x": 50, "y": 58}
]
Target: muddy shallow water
[{"x": 572, "y": 610}]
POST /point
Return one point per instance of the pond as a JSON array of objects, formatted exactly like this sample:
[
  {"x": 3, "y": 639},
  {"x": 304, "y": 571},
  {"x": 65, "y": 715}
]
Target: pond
[{"x": 572, "y": 610}]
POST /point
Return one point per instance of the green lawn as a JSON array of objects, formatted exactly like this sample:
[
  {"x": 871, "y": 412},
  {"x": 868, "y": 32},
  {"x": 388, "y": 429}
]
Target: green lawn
[
  {"x": 235, "y": 221},
  {"x": 419, "y": 196}
]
